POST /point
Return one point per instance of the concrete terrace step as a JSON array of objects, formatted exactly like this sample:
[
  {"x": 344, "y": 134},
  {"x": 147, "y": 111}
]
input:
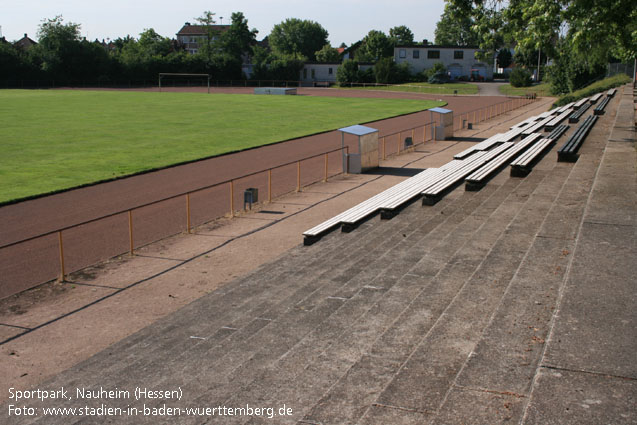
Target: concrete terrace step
[{"x": 227, "y": 336}]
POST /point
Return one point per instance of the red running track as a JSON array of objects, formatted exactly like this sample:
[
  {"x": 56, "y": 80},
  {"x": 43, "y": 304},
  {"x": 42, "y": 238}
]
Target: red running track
[{"x": 28, "y": 264}]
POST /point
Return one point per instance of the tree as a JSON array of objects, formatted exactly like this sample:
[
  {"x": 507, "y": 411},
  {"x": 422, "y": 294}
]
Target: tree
[
  {"x": 348, "y": 72},
  {"x": 209, "y": 46},
  {"x": 401, "y": 36},
  {"x": 299, "y": 38},
  {"x": 374, "y": 47},
  {"x": 327, "y": 54},
  {"x": 505, "y": 58},
  {"x": 455, "y": 27},
  {"x": 238, "y": 39}
]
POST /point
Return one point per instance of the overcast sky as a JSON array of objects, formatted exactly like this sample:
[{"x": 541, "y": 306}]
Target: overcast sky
[{"x": 346, "y": 20}]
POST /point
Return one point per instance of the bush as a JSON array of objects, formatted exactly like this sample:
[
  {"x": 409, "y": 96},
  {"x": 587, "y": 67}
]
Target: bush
[
  {"x": 520, "y": 78},
  {"x": 439, "y": 77},
  {"x": 599, "y": 86}
]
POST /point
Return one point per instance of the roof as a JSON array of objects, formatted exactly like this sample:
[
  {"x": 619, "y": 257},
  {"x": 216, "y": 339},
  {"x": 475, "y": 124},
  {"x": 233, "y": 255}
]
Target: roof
[
  {"x": 24, "y": 43},
  {"x": 436, "y": 46},
  {"x": 189, "y": 29},
  {"x": 441, "y": 110},
  {"x": 358, "y": 130}
]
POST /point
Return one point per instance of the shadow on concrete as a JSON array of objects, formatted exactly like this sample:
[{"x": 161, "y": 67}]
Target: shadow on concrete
[
  {"x": 395, "y": 171},
  {"x": 466, "y": 139}
]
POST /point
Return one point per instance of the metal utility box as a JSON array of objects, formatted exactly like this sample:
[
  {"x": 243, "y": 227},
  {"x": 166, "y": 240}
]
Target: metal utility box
[
  {"x": 444, "y": 123},
  {"x": 367, "y": 156},
  {"x": 250, "y": 196}
]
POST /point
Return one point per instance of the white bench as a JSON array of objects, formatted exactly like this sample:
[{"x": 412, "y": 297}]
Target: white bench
[
  {"x": 595, "y": 98},
  {"x": 565, "y": 107},
  {"x": 580, "y": 103},
  {"x": 523, "y": 165},
  {"x": 539, "y": 126},
  {"x": 482, "y": 146},
  {"x": 478, "y": 179},
  {"x": 557, "y": 120}
]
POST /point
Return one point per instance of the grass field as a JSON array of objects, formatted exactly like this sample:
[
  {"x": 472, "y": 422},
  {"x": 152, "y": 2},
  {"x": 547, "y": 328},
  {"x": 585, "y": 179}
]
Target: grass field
[
  {"x": 542, "y": 89},
  {"x": 449, "y": 88},
  {"x": 53, "y": 139}
]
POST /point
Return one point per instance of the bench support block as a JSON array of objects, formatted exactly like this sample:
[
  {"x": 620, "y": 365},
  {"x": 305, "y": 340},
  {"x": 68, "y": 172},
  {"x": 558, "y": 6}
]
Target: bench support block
[
  {"x": 387, "y": 214},
  {"x": 429, "y": 200},
  {"x": 474, "y": 186},
  {"x": 309, "y": 240},
  {"x": 348, "y": 227},
  {"x": 517, "y": 171},
  {"x": 567, "y": 157}
]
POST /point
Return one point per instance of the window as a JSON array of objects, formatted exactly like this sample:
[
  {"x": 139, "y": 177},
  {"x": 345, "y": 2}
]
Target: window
[
  {"x": 433, "y": 54},
  {"x": 458, "y": 54},
  {"x": 416, "y": 54},
  {"x": 329, "y": 71},
  {"x": 304, "y": 73},
  {"x": 402, "y": 53},
  {"x": 313, "y": 73}
]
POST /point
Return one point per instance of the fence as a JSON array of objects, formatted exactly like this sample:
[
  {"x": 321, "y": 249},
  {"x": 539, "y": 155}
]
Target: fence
[
  {"x": 28, "y": 262},
  {"x": 77, "y": 246},
  {"x": 394, "y": 143}
]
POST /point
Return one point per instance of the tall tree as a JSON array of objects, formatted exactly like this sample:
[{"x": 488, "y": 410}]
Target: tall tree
[
  {"x": 375, "y": 46},
  {"x": 239, "y": 38},
  {"x": 327, "y": 54},
  {"x": 401, "y": 35},
  {"x": 455, "y": 27},
  {"x": 300, "y": 38},
  {"x": 209, "y": 46}
]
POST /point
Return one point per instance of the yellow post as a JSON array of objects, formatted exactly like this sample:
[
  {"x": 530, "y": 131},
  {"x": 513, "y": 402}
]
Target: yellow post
[
  {"x": 474, "y": 116},
  {"x": 384, "y": 151},
  {"x": 298, "y": 176},
  {"x": 400, "y": 137},
  {"x": 231, "y": 198},
  {"x": 270, "y": 185},
  {"x": 424, "y": 134},
  {"x": 413, "y": 137},
  {"x": 325, "y": 177},
  {"x": 188, "y": 211},
  {"x": 130, "y": 232},
  {"x": 62, "y": 270}
]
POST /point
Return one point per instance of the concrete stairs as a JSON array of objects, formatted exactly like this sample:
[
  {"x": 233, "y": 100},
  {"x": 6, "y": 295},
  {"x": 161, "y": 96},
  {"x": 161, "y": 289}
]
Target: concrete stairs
[{"x": 440, "y": 315}]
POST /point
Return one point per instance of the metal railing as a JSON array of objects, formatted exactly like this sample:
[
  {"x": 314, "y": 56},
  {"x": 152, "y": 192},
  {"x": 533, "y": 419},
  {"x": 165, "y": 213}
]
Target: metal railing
[
  {"x": 317, "y": 167},
  {"x": 424, "y": 133},
  {"x": 139, "y": 227}
]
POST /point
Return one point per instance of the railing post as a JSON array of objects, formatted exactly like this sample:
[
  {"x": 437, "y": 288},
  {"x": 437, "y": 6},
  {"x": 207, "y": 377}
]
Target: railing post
[
  {"x": 62, "y": 269},
  {"x": 270, "y": 185},
  {"x": 130, "y": 232},
  {"x": 188, "y": 212},
  {"x": 384, "y": 152},
  {"x": 231, "y": 198},
  {"x": 413, "y": 136},
  {"x": 400, "y": 137},
  {"x": 325, "y": 177},
  {"x": 298, "y": 176}
]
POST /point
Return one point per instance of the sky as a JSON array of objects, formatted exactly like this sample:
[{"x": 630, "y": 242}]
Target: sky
[{"x": 345, "y": 20}]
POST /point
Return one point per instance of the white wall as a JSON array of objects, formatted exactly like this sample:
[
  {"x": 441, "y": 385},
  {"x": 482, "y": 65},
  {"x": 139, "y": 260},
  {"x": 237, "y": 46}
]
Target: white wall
[{"x": 449, "y": 56}]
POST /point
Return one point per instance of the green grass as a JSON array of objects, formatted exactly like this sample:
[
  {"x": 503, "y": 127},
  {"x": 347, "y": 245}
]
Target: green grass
[
  {"x": 542, "y": 89},
  {"x": 449, "y": 88},
  {"x": 596, "y": 87},
  {"x": 52, "y": 140}
]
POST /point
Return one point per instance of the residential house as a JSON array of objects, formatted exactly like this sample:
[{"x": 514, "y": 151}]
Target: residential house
[
  {"x": 192, "y": 36},
  {"x": 460, "y": 62},
  {"x": 24, "y": 43},
  {"x": 314, "y": 72}
]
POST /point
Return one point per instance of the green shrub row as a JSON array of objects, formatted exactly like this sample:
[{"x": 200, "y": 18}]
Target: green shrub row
[{"x": 596, "y": 87}]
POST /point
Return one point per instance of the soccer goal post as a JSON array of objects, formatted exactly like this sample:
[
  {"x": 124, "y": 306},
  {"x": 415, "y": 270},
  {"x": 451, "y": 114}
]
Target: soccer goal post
[{"x": 172, "y": 74}]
